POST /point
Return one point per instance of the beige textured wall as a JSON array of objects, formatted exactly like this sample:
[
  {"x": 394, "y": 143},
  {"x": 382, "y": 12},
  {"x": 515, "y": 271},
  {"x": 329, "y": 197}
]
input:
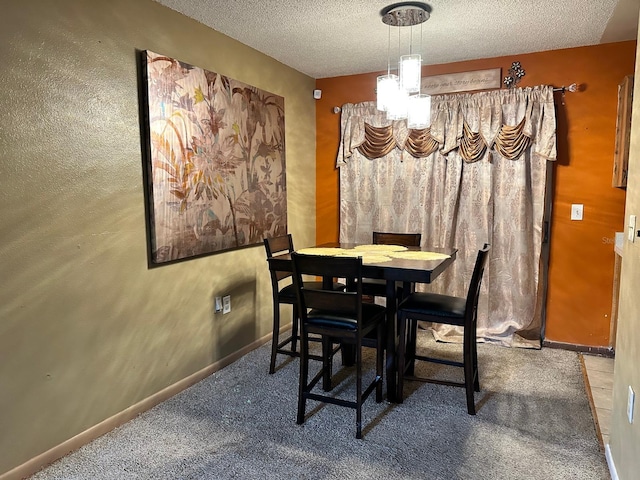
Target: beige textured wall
[
  {"x": 625, "y": 437},
  {"x": 86, "y": 329}
]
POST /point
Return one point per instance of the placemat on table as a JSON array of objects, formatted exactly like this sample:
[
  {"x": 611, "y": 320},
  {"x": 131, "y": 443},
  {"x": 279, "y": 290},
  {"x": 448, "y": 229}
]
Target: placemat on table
[
  {"x": 328, "y": 251},
  {"x": 381, "y": 248},
  {"x": 419, "y": 255},
  {"x": 367, "y": 257}
]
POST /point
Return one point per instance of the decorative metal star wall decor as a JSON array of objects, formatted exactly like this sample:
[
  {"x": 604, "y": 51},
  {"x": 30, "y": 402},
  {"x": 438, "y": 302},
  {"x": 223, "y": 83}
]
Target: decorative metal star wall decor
[{"x": 516, "y": 72}]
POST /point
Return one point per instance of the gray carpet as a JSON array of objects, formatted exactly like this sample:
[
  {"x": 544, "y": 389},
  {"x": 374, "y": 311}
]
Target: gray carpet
[{"x": 533, "y": 422}]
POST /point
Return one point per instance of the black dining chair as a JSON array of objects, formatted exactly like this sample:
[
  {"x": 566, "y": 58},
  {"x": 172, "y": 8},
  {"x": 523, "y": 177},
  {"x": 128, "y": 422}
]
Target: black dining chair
[
  {"x": 375, "y": 287},
  {"x": 337, "y": 316},
  {"x": 285, "y": 294},
  {"x": 450, "y": 310}
]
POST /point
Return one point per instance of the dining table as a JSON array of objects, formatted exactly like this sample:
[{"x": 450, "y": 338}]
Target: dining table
[{"x": 423, "y": 266}]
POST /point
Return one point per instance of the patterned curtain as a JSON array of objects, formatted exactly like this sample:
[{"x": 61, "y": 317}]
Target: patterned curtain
[{"x": 477, "y": 175}]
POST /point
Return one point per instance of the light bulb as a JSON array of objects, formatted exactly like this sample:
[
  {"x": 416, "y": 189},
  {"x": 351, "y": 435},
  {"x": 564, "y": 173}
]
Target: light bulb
[{"x": 410, "y": 70}]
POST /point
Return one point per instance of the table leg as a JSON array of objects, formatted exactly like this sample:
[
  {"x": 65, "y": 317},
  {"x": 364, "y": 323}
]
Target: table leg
[
  {"x": 410, "y": 349},
  {"x": 391, "y": 341}
]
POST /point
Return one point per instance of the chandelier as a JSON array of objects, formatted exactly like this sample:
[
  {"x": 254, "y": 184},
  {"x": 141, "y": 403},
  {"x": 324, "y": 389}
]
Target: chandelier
[{"x": 399, "y": 94}]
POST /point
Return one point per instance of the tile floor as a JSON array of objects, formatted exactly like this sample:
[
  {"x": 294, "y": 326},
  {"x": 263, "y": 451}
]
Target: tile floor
[{"x": 599, "y": 381}]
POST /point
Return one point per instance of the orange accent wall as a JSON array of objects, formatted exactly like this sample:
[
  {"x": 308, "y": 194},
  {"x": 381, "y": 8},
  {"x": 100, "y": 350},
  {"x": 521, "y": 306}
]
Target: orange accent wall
[{"x": 581, "y": 256}]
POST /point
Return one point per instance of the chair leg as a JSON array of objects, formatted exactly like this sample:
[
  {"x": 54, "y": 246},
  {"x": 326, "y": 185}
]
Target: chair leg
[
  {"x": 275, "y": 336},
  {"x": 401, "y": 355},
  {"x": 304, "y": 374},
  {"x": 410, "y": 351},
  {"x": 468, "y": 372},
  {"x": 379, "y": 361},
  {"x": 294, "y": 329},
  {"x": 327, "y": 363},
  {"x": 474, "y": 344},
  {"x": 471, "y": 406},
  {"x": 359, "y": 389}
]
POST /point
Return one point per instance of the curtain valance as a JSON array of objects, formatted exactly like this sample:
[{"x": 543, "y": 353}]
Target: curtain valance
[
  {"x": 471, "y": 123},
  {"x": 380, "y": 141}
]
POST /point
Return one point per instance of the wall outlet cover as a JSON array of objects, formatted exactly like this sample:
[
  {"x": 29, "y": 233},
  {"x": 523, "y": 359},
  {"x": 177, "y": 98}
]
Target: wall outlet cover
[{"x": 226, "y": 304}]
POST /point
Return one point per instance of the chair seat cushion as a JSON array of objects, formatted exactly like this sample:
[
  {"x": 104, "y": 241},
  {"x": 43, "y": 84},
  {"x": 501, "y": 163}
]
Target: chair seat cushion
[
  {"x": 288, "y": 293},
  {"x": 325, "y": 318},
  {"x": 435, "y": 305}
]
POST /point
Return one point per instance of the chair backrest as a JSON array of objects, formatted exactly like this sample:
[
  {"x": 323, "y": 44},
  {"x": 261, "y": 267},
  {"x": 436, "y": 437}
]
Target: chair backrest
[
  {"x": 340, "y": 302},
  {"x": 474, "y": 286},
  {"x": 275, "y": 246},
  {"x": 404, "y": 239}
]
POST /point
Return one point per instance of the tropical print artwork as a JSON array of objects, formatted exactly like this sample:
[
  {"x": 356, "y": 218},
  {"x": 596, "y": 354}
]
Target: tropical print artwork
[{"x": 217, "y": 176}]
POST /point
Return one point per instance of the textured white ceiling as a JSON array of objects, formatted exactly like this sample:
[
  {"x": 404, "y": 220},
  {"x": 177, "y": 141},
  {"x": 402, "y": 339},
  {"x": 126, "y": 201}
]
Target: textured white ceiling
[{"x": 327, "y": 38}]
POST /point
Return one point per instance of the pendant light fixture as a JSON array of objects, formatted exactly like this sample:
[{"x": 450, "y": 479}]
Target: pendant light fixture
[
  {"x": 419, "y": 111},
  {"x": 399, "y": 95}
]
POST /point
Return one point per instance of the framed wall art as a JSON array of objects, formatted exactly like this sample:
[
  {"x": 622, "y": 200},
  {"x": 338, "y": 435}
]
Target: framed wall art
[
  {"x": 215, "y": 161},
  {"x": 461, "y": 82}
]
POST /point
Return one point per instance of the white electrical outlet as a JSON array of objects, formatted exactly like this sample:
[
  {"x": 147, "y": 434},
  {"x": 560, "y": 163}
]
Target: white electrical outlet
[
  {"x": 218, "y": 305},
  {"x": 226, "y": 304},
  {"x": 630, "y": 400},
  {"x": 576, "y": 211}
]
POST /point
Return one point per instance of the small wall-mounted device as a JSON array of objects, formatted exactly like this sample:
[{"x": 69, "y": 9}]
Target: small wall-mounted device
[{"x": 317, "y": 94}]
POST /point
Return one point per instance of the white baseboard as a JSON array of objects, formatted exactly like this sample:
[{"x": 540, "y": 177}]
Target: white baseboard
[
  {"x": 40, "y": 461},
  {"x": 612, "y": 466}
]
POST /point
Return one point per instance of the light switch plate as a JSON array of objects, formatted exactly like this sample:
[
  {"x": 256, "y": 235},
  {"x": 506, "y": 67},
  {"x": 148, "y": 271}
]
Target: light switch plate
[
  {"x": 630, "y": 400},
  {"x": 226, "y": 304},
  {"x": 631, "y": 229},
  {"x": 576, "y": 211}
]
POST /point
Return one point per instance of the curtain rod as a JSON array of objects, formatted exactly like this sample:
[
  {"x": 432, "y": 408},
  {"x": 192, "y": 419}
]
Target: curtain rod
[{"x": 571, "y": 88}]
